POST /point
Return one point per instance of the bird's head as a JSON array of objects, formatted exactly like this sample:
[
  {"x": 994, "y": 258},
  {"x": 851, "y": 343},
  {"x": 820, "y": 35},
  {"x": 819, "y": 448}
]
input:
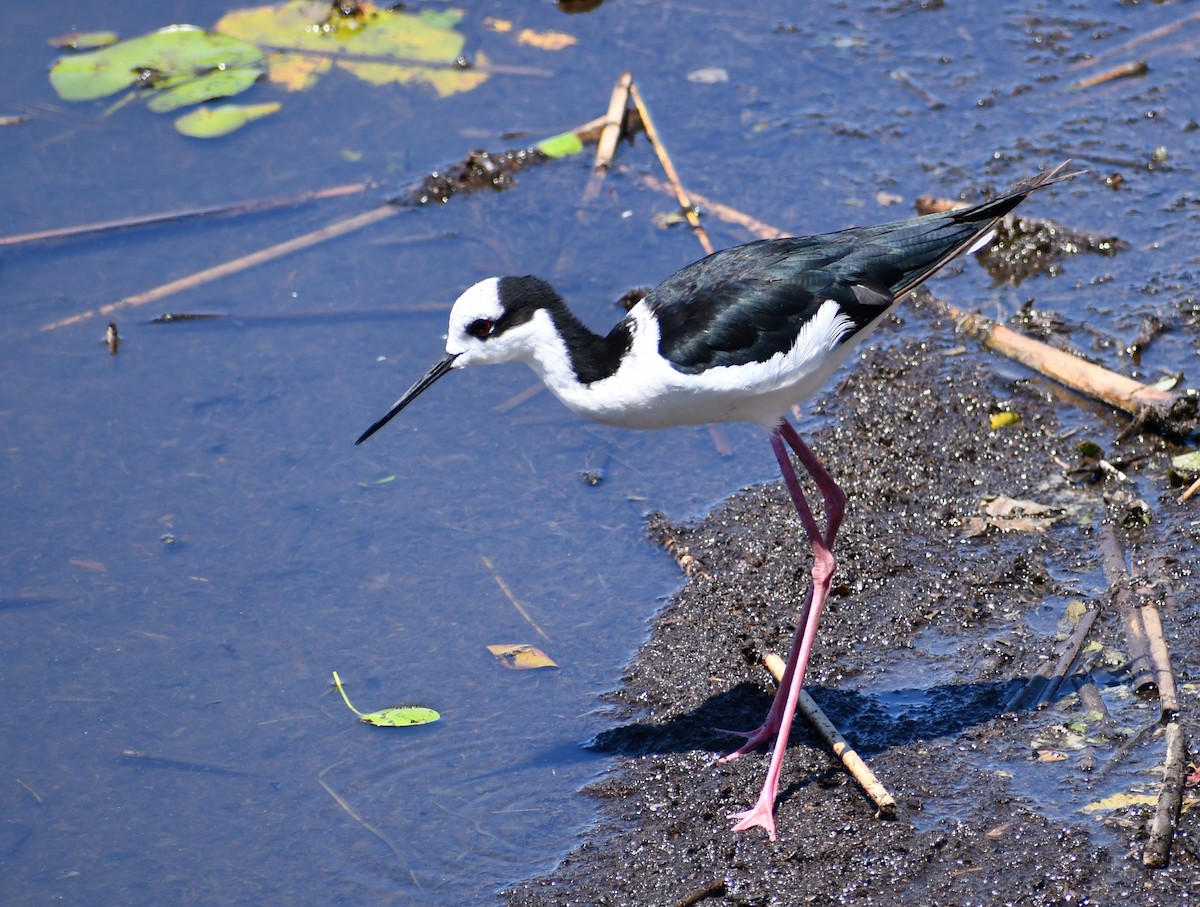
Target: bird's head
[{"x": 494, "y": 321}]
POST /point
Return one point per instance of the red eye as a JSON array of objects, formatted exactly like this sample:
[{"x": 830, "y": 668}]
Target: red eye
[{"x": 480, "y": 328}]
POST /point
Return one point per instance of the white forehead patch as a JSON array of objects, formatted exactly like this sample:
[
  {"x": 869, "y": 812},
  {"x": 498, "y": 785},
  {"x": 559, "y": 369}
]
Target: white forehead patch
[{"x": 479, "y": 301}]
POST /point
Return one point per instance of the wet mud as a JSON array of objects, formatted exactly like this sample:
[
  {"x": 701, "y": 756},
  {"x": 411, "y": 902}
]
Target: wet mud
[{"x": 940, "y": 614}]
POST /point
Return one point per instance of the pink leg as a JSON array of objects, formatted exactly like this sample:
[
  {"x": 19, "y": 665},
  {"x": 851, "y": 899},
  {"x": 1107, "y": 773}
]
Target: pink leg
[{"x": 783, "y": 709}]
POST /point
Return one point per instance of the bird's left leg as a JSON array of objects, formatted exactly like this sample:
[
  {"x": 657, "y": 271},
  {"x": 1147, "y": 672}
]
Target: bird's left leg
[{"x": 780, "y": 717}]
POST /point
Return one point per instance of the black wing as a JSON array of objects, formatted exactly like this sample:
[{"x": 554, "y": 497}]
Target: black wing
[{"x": 748, "y": 303}]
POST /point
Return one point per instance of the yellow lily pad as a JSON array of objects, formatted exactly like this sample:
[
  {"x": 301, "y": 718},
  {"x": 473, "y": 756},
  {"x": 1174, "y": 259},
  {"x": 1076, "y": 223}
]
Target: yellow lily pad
[
  {"x": 378, "y": 46},
  {"x": 213, "y": 122}
]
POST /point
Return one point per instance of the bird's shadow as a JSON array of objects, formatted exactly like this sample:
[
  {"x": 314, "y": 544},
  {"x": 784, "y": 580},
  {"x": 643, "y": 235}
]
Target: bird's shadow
[{"x": 873, "y": 722}]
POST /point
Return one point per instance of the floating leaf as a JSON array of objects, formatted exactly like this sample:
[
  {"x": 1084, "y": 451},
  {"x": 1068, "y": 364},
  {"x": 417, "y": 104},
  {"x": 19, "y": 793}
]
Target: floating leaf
[
  {"x": 382, "y": 481},
  {"x": 562, "y": 145},
  {"x": 1187, "y": 463},
  {"x": 522, "y": 657},
  {"x": 1120, "y": 801},
  {"x": 546, "y": 40},
  {"x": 84, "y": 40},
  {"x": 221, "y": 83},
  {"x": 401, "y": 716},
  {"x": 1000, "y": 420},
  {"x": 378, "y": 46},
  {"x": 213, "y": 122},
  {"x": 170, "y": 56}
]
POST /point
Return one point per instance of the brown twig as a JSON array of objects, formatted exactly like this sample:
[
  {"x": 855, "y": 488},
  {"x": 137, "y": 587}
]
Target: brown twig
[
  {"x": 165, "y": 217},
  {"x": 1168, "y": 698},
  {"x": 685, "y": 203},
  {"x": 1092, "y": 380},
  {"x": 588, "y": 132},
  {"x": 606, "y": 147},
  {"x": 185, "y": 764},
  {"x": 714, "y": 888},
  {"x": 1141, "y": 666},
  {"x": 1170, "y": 798},
  {"x": 1043, "y": 685},
  {"x": 1121, "y": 71},
  {"x": 1192, "y": 489},
  {"x": 756, "y": 227},
  {"x": 1152, "y": 35},
  {"x": 339, "y": 228},
  {"x": 353, "y": 813},
  {"x": 508, "y": 593},
  {"x": 885, "y": 805},
  {"x": 905, "y": 79},
  {"x": 691, "y": 565}
]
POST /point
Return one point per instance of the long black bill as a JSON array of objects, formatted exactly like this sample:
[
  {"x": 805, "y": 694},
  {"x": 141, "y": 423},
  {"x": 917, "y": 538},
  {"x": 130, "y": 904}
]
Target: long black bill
[{"x": 440, "y": 368}]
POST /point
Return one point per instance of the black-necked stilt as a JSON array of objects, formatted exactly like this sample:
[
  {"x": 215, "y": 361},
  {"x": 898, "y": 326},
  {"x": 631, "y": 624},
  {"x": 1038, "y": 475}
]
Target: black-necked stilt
[{"x": 739, "y": 336}]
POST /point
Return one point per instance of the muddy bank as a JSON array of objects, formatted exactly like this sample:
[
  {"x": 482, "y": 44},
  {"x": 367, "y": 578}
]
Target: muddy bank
[{"x": 939, "y": 615}]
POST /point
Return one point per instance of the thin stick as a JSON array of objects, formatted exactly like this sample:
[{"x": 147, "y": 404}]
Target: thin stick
[
  {"x": 1192, "y": 489},
  {"x": 1097, "y": 382},
  {"x": 1141, "y": 666},
  {"x": 905, "y": 79},
  {"x": 885, "y": 805},
  {"x": 1170, "y": 798},
  {"x": 588, "y": 132},
  {"x": 685, "y": 203},
  {"x": 1153, "y": 35},
  {"x": 1168, "y": 698},
  {"x": 186, "y": 764},
  {"x": 714, "y": 888},
  {"x": 164, "y": 217},
  {"x": 1043, "y": 685},
  {"x": 1121, "y": 71},
  {"x": 353, "y": 814},
  {"x": 512, "y": 598},
  {"x": 338, "y": 228},
  {"x": 756, "y": 227},
  {"x": 606, "y": 147}
]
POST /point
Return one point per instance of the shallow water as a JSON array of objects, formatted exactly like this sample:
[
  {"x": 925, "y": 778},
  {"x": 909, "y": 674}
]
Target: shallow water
[{"x": 191, "y": 541}]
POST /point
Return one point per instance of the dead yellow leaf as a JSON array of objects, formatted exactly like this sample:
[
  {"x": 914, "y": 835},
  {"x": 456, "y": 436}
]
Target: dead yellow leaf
[
  {"x": 546, "y": 40},
  {"x": 499, "y": 26},
  {"x": 521, "y": 657}
]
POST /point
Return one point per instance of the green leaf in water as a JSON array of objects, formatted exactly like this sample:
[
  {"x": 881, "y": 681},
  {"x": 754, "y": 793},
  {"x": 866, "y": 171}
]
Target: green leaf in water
[
  {"x": 220, "y": 83},
  {"x": 401, "y": 716},
  {"x": 561, "y": 145},
  {"x": 171, "y": 55},
  {"x": 213, "y": 122},
  {"x": 1187, "y": 463}
]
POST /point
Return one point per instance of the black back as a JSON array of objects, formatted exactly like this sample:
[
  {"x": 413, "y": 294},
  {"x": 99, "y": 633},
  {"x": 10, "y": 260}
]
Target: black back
[{"x": 748, "y": 303}]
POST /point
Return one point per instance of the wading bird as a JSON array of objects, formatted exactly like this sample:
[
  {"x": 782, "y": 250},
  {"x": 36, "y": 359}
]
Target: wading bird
[{"x": 739, "y": 336}]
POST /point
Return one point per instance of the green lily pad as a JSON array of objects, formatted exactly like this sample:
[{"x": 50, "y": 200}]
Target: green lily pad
[
  {"x": 171, "y": 56},
  {"x": 401, "y": 716},
  {"x": 404, "y": 716},
  {"x": 213, "y": 122},
  {"x": 220, "y": 83}
]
